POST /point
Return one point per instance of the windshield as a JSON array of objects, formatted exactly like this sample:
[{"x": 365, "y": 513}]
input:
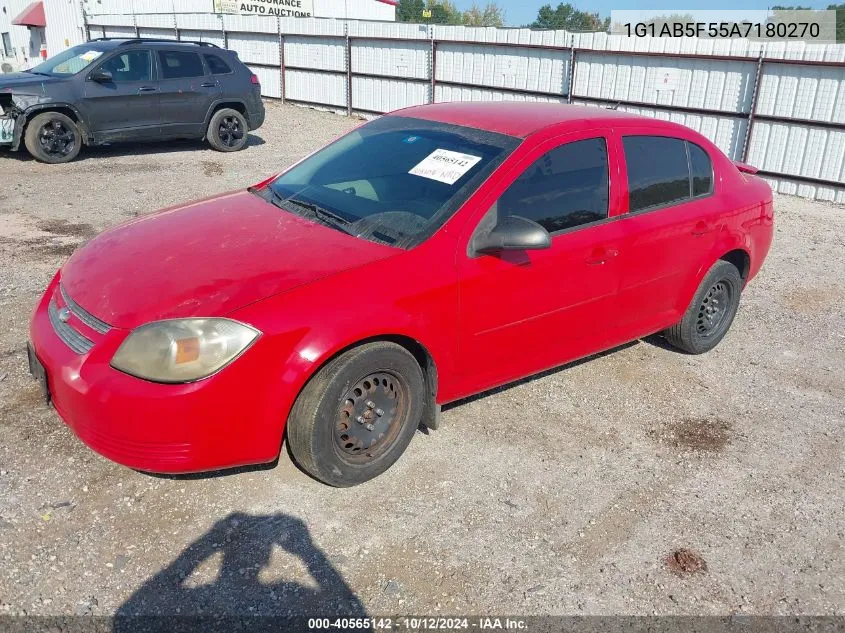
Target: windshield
[
  {"x": 68, "y": 62},
  {"x": 395, "y": 180}
]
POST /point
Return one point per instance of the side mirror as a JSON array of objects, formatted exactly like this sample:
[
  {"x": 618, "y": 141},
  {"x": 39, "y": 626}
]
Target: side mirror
[
  {"x": 512, "y": 233},
  {"x": 101, "y": 76}
]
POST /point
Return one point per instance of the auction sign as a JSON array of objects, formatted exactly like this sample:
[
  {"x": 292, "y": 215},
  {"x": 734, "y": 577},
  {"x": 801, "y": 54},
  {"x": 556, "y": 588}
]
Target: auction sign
[{"x": 275, "y": 8}]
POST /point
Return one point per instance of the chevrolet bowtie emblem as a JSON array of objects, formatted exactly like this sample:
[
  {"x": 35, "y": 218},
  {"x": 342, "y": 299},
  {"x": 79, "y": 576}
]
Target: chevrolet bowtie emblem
[{"x": 64, "y": 315}]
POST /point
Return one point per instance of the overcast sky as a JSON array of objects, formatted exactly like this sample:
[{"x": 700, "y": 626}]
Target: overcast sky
[{"x": 519, "y": 12}]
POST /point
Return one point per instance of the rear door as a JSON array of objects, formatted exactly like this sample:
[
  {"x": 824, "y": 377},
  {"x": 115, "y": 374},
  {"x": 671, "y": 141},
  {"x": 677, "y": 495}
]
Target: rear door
[
  {"x": 525, "y": 311},
  {"x": 128, "y": 105},
  {"x": 187, "y": 92},
  {"x": 670, "y": 228}
]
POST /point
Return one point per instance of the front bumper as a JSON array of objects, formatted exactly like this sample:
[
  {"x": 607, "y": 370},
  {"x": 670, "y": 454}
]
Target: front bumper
[
  {"x": 230, "y": 419},
  {"x": 7, "y": 130}
]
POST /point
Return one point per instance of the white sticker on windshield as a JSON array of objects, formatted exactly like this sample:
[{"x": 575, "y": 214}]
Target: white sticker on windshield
[
  {"x": 90, "y": 56},
  {"x": 445, "y": 166}
]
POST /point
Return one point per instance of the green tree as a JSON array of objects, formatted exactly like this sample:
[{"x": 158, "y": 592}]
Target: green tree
[
  {"x": 444, "y": 12},
  {"x": 840, "y": 21},
  {"x": 491, "y": 15},
  {"x": 410, "y": 11},
  {"x": 565, "y": 16}
]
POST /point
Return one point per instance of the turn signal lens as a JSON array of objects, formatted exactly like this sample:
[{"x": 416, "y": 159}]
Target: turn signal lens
[{"x": 183, "y": 350}]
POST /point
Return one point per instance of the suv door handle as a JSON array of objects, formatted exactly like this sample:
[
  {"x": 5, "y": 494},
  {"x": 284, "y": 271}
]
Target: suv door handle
[
  {"x": 701, "y": 228},
  {"x": 209, "y": 84},
  {"x": 601, "y": 256},
  {"x": 147, "y": 89}
]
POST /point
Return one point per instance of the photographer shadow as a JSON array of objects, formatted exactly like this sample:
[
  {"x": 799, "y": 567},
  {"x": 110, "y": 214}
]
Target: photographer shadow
[{"x": 179, "y": 598}]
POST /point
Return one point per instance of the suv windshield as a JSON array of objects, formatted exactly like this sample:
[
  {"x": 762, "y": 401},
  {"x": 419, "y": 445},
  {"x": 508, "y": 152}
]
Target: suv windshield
[
  {"x": 395, "y": 180},
  {"x": 68, "y": 62}
]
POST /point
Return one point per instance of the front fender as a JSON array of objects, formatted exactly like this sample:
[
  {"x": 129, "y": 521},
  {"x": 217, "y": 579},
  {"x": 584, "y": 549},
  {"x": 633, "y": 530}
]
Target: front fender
[{"x": 32, "y": 105}]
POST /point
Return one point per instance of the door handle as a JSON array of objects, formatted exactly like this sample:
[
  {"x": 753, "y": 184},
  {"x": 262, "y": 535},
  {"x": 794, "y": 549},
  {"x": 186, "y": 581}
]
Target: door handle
[
  {"x": 701, "y": 228},
  {"x": 209, "y": 84},
  {"x": 601, "y": 256},
  {"x": 147, "y": 89}
]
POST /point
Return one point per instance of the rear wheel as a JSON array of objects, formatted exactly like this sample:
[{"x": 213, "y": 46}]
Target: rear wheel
[
  {"x": 53, "y": 137},
  {"x": 227, "y": 130},
  {"x": 711, "y": 312},
  {"x": 357, "y": 415}
]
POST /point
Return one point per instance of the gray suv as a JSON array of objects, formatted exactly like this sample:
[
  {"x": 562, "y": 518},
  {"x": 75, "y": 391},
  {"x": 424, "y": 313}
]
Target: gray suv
[{"x": 111, "y": 90}]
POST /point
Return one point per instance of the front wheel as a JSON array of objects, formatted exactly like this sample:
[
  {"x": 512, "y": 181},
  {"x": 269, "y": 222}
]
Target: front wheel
[
  {"x": 53, "y": 137},
  {"x": 357, "y": 415},
  {"x": 711, "y": 312},
  {"x": 227, "y": 131}
]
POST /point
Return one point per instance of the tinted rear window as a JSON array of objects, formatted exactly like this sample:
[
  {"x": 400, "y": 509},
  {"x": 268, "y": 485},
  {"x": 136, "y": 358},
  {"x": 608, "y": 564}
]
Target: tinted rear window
[
  {"x": 177, "y": 64},
  {"x": 657, "y": 171},
  {"x": 216, "y": 65}
]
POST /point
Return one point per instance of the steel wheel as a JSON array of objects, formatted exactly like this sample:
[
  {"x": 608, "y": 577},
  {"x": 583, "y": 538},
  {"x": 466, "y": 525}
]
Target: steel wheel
[
  {"x": 711, "y": 313},
  {"x": 367, "y": 421},
  {"x": 56, "y": 139},
  {"x": 230, "y": 131}
]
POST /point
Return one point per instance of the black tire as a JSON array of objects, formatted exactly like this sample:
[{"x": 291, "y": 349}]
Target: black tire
[
  {"x": 227, "y": 131},
  {"x": 53, "y": 137},
  {"x": 339, "y": 456},
  {"x": 711, "y": 312}
]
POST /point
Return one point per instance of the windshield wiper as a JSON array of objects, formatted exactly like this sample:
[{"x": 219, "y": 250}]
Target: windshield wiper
[
  {"x": 35, "y": 72},
  {"x": 329, "y": 217},
  {"x": 324, "y": 215}
]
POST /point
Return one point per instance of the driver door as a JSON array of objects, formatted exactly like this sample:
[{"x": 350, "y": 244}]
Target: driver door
[
  {"x": 127, "y": 107},
  {"x": 523, "y": 311}
]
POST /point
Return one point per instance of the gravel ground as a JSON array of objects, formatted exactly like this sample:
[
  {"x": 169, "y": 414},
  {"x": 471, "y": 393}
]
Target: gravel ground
[{"x": 641, "y": 481}]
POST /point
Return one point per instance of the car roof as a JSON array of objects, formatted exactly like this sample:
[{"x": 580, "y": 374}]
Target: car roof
[{"x": 522, "y": 118}]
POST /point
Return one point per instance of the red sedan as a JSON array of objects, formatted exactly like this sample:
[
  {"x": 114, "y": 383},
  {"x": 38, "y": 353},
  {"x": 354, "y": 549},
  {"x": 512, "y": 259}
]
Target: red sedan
[{"x": 428, "y": 255}]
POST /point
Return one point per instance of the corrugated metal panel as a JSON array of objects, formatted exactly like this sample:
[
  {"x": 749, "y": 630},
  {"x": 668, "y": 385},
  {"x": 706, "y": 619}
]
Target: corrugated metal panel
[
  {"x": 388, "y": 29},
  {"x": 258, "y": 48},
  {"x": 66, "y": 25},
  {"x": 251, "y": 23},
  {"x": 212, "y": 37},
  {"x": 456, "y": 93},
  {"x": 311, "y": 27},
  {"x": 119, "y": 31},
  {"x": 112, "y": 20},
  {"x": 385, "y": 95},
  {"x": 798, "y": 149},
  {"x": 200, "y": 21},
  {"x": 803, "y": 92},
  {"x": 315, "y": 53},
  {"x": 814, "y": 192},
  {"x": 401, "y": 59},
  {"x": 526, "y": 69},
  {"x": 161, "y": 34},
  {"x": 361, "y": 9},
  {"x": 315, "y": 87},
  {"x": 270, "y": 81},
  {"x": 701, "y": 83},
  {"x": 504, "y": 36},
  {"x": 161, "y": 21}
]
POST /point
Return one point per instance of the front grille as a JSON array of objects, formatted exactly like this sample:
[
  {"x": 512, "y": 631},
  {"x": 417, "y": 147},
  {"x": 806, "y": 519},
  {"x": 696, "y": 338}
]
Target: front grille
[
  {"x": 71, "y": 337},
  {"x": 83, "y": 315}
]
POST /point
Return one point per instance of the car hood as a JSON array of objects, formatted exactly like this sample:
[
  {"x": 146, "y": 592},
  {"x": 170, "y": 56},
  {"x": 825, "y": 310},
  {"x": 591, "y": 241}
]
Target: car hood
[
  {"x": 206, "y": 258},
  {"x": 25, "y": 82}
]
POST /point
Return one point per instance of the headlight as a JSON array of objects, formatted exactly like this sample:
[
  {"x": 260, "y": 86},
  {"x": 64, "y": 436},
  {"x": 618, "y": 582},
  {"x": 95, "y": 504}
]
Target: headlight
[{"x": 182, "y": 350}]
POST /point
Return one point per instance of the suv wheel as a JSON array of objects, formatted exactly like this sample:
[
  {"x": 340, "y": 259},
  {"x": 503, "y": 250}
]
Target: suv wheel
[
  {"x": 52, "y": 137},
  {"x": 227, "y": 130}
]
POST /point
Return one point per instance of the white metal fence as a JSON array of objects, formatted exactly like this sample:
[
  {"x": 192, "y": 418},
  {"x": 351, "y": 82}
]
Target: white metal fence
[{"x": 780, "y": 107}]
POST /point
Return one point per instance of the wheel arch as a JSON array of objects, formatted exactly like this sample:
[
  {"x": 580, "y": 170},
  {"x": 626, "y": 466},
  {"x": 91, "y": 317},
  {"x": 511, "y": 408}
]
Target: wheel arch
[
  {"x": 63, "y": 108},
  {"x": 235, "y": 104},
  {"x": 740, "y": 258},
  {"x": 420, "y": 352}
]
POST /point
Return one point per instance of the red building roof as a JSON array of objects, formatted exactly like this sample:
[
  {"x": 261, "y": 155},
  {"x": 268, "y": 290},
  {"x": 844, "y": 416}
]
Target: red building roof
[{"x": 33, "y": 15}]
